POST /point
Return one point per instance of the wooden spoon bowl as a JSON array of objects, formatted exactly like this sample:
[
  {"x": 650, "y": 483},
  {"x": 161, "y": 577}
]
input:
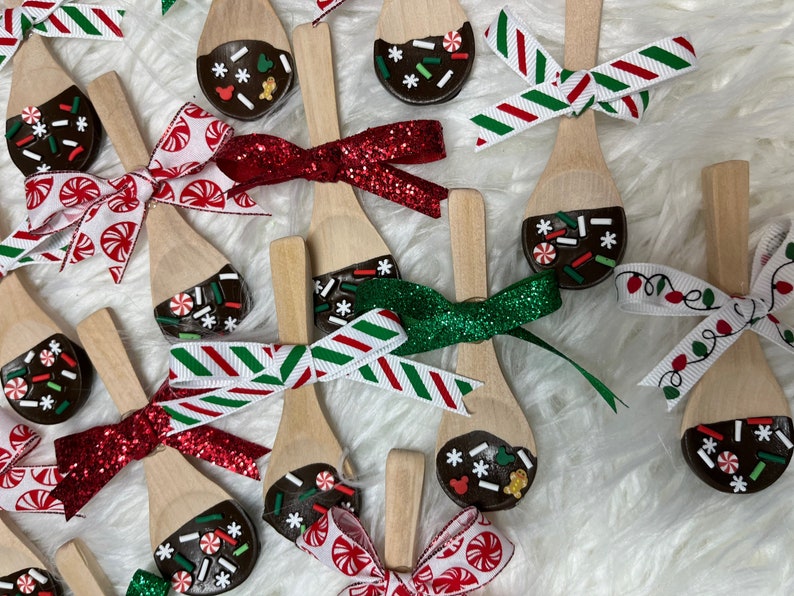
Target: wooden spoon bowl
[{"x": 22, "y": 567}]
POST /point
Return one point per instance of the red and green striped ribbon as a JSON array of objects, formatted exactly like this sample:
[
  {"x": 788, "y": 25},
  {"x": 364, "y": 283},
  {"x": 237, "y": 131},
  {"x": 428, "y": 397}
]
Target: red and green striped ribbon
[{"x": 22, "y": 248}]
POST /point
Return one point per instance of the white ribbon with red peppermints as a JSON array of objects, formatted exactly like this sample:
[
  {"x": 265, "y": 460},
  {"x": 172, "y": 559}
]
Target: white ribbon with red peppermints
[
  {"x": 53, "y": 19},
  {"x": 649, "y": 289},
  {"x": 617, "y": 88},
  {"x": 467, "y": 554},
  {"x": 245, "y": 373},
  {"x": 323, "y": 7}
]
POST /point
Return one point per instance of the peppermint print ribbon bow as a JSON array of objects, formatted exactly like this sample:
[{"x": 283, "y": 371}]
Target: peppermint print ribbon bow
[
  {"x": 93, "y": 457},
  {"x": 24, "y": 488},
  {"x": 433, "y": 322},
  {"x": 323, "y": 7},
  {"x": 649, "y": 289},
  {"x": 108, "y": 214},
  {"x": 466, "y": 555},
  {"x": 52, "y": 19},
  {"x": 617, "y": 88},
  {"x": 144, "y": 583},
  {"x": 245, "y": 373},
  {"x": 362, "y": 160}
]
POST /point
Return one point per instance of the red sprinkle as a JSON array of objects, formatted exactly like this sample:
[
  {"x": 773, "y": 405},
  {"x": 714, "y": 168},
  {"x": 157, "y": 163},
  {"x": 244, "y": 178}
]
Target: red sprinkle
[
  {"x": 233, "y": 305},
  {"x": 555, "y": 234},
  {"x": 66, "y": 107},
  {"x": 40, "y": 378},
  {"x": 344, "y": 489},
  {"x": 362, "y": 272},
  {"x": 460, "y": 56},
  {"x": 68, "y": 360},
  {"x": 225, "y": 537},
  {"x": 707, "y": 431},
  {"x": 759, "y": 421},
  {"x": 319, "y": 508},
  {"x": 77, "y": 151},
  {"x": 26, "y": 140},
  {"x": 582, "y": 260}
]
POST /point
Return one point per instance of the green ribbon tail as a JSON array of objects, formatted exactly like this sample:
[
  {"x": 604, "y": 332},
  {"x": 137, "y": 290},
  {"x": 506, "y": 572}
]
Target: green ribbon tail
[
  {"x": 147, "y": 584},
  {"x": 167, "y": 4}
]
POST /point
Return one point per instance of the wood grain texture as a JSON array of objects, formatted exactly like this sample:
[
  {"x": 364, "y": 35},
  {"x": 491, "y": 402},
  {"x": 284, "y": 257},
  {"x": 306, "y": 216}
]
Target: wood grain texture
[
  {"x": 80, "y": 570},
  {"x": 23, "y": 324},
  {"x": 16, "y": 550},
  {"x": 37, "y": 76},
  {"x": 405, "y": 473},
  {"x": 403, "y": 20},
  {"x": 233, "y": 20}
]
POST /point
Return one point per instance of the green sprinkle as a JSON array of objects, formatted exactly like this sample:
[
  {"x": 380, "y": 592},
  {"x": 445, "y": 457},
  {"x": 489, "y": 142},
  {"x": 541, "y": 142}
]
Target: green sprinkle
[
  {"x": 757, "y": 470},
  {"x": 14, "y": 129},
  {"x": 54, "y": 386},
  {"x": 16, "y": 373},
  {"x": 216, "y": 291},
  {"x": 307, "y": 494},
  {"x": 241, "y": 550},
  {"x": 771, "y": 457},
  {"x": 573, "y": 274},
  {"x": 167, "y": 320},
  {"x": 60, "y": 409},
  {"x": 605, "y": 261},
  {"x": 431, "y": 60},
  {"x": 189, "y": 336},
  {"x": 384, "y": 72},
  {"x": 75, "y": 104},
  {"x": 303, "y": 528},
  {"x": 53, "y": 144},
  {"x": 571, "y": 223},
  {"x": 423, "y": 71},
  {"x": 349, "y": 287},
  {"x": 208, "y": 518},
  {"x": 184, "y": 563},
  {"x": 322, "y": 307},
  {"x": 279, "y": 500}
]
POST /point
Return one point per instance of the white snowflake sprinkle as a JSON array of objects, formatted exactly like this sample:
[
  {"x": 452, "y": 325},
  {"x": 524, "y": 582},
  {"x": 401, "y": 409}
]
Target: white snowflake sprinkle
[
  {"x": 395, "y": 53},
  {"x": 480, "y": 468},
  {"x": 234, "y": 529},
  {"x": 609, "y": 239},
  {"x": 454, "y": 457},
  {"x": 222, "y": 580},
  {"x": 347, "y": 505},
  {"x": 709, "y": 445},
  {"x": 544, "y": 227},
  {"x": 738, "y": 484},
  {"x": 410, "y": 80},
  {"x": 82, "y": 124},
  {"x": 208, "y": 321},
  {"x": 294, "y": 520},
  {"x": 43, "y": 168},
  {"x": 55, "y": 347},
  {"x": 318, "y": 286},
  {"x": 230, "y": 324},
  {"x": 344, "y": 308},
  {"x": 219, "y": 70},
  {"x": 242, "y": 75},
  {"x": 164, "y": 551},
  {"x": 385, "y": 267},
  {"x": 47, "y": 402},
  {"x": 764, "y": 432},
  {"x": 39, "y": 129}
]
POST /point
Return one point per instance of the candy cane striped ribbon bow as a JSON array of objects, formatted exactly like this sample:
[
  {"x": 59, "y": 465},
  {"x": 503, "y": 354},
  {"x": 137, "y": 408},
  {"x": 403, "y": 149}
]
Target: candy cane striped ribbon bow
[
  {"x": 22, "y": 248},
  {"x": 108, "y": 214},
  {"x": 466, "y": 555},
  {"x": 617, "y": 88},
  {"x": 52, "y": 19},
  {"x": 649, "y": 289},
  {"x": 245, "y": 373}
]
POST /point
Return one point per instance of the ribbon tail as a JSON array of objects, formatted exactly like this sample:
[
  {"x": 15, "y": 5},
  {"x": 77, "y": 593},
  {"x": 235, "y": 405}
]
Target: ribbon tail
[
  {"x": 144, "y": 583},
  {"x": 777, "y": 332},
  {"x": 220, "y": 448},
  {"x": 83, "y": 21},
  {"x": 400, "y": 187},
  {"x": 166, "y": 5},
  {"x": 323, "y": 8},
  {"x": 22, "y": 248}
]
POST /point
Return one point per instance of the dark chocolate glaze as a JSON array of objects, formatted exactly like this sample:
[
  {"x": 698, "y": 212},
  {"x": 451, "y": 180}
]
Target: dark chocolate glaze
[
  {"x": 214, "y": 307},
  {"x": 23, "y": 582},
  {"x": 605, "y": 243},
  {"x": 339, "y": 300},
  {"x": 66, "y": 136},
  {"x": 222, "y": 81},
  {"x": 50, "y": 382},
  {"x": 499, "y": 464},
  {"x": 212, "y": 553},
  {"x": 747, "y": 465},
  {"x": 299, "y": 507},
  {"x": 395, "y": 64}
]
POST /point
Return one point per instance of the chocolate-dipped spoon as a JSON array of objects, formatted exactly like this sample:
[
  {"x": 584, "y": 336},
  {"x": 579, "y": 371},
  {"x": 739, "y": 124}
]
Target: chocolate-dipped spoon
[
  {"x": 195, "y": 291},
  {"x": 736, "y": 432},
  {"x": 424, "y": 49},
  {"x": 345, "y": 247},
  {"x": 204, "y": 541},
  {"x": 301, "y": 481},
  {"x": 81, "y": 571},
  {"x": 244, "y": 65},
  {"x": 22, "y": 568},
  {"x": 50, "y": 123},
  {"x": 405, "y": 475},
  {"x": 574, "y": 220},
  {"x": 488, "y": 459}
]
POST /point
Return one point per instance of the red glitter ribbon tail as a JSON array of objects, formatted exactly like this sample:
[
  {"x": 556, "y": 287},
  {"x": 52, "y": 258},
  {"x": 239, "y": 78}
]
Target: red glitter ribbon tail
[{"x": 220, "y": 448}]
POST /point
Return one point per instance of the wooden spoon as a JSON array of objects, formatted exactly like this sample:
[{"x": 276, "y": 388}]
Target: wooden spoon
[
  {"x": 488, "y": 459},
  {"x": 22, "y": 566},
  {"x": 737, "y": 421},
  {"x": 216, "y": 548},
  {"x": 50, "y": 123},
  {"x": 424, "y": 49},
  {"x": 244, "y": 65},
  {"x": 195, "y": 291},
  {"x": 405, "y": 474},
  {"x": 345, "y": 247},
  {"x": 301, "y": 481},
  {"x": 574, "y": 221},
  {"x": 81, "y": 571}
]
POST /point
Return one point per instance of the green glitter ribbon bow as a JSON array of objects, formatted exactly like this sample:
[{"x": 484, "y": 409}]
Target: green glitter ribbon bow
[
  {"x": 433, "y": 322},
  {"x": 147, "y": 584}
]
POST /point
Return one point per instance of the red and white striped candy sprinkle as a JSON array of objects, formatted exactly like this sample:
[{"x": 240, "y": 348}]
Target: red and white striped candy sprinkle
[
  {"x": 325, "y": 481},
  {"x": 16, "y": 388},
  {"x": 181, "y": 304},
  {"x": 26, "y": 584},
  {"x": 31, "y": 115},
  {"x": 47, "y": 358},
  {"x": 210, "y": 543},
  {"x": 544, "y": 253},
  {"x": 728, "y": 462},
  {"x": 452, "y": 41},
  {"x": 181, "y": 581}
]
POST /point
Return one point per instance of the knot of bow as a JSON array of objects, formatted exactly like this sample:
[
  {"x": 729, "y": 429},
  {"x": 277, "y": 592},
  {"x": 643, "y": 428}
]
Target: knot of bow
[
  {"x": 93, "y": 457},
  {"x": 466, "y": 555},
  {"x": 107, "y": 214},
  {"x": 362, "y": 160},
  {"x": 644, "y": 288},
  {"x": 51, "y": 19},
  {"x": 618, "y": 88}
]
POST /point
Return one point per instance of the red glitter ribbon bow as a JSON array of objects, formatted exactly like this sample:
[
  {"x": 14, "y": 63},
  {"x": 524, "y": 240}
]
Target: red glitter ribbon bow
[
  {"x": 108, "y": 214},
  {"x": 93, "y": 457},
  {"x": 467, "y": 554},
  {"x": 361, "y": 160}
]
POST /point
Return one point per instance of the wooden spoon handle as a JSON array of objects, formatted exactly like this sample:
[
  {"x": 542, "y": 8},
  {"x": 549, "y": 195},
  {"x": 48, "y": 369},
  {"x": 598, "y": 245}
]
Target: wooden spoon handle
[
  {"x": 291, "y": 275},
  {"x": 81, "y": 571},
  {"x": 726, "y": 196},
  {"x": 16, "y": 549},
  {"x": 582, "y": 30},
  {"x": 467, "y": 232},
  {"x": 405, "y": 471}
]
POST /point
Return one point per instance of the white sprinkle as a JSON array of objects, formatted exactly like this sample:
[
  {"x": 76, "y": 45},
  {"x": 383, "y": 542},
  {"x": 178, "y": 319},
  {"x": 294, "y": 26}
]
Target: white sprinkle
[
  {"x": 29, "y": 358},
  {"x": 202, "y": 312},
  {"x": 285, "y": 62},
  {"x": 189, "y": 537},
  {"x": 28, "y": 403},
  {"x": 337, "y": 321},
  {"x": 784, "y": 439},
  {"x": 223, "y": 276},
  {"x": 228, "y": 564},
  {"x": 425, "y": 45},
  {"x": 600, "y": 221},
  {"x": 294, "y": 479},
  {"x": 59, "y": 123},
  {"x": 205, "y": 566},
  {"x": 31, "y": 155},
  {"x": 705, "y": 458},
  {"x": 445, "y": 79},
  {"x": 37, "y": 576},
  {"x": 239, "y": 54},
  {"x": 69, "y": 374},
  {"x": 70, "y": 143},
  {"x": 489, "y": 486},
  {"x": 328, "y": 287},
  {"x": 525, "y": 458},
  {"x": 245, "y": 101},
  {"x": 737, "y": 430},
  {"x": 478, "y": 449},
  {"x": 6, "y": 586},
  {"x": 582, "y": 228},
  {"x": 199, "y": 295},
  {"x": 567, "y": 241}
]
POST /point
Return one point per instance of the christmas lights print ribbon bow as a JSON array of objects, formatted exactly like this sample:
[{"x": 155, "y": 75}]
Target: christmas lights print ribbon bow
[
  {"x": 53, "y": 19},
  {"x": 24, "y": 488},
  {"x": 433, "y": 322},
  {"x": 362, "y": 160},
  {"x": 466, "y": 555},
  {"x": 144, "y": 583},
  {"x": 108, "y": 214},
  {"x": 617, "y": 88},
  {"x": 648, "y": 289},
  {"x": 240, "y": 374},
  {"x": 93, "y": 457}
]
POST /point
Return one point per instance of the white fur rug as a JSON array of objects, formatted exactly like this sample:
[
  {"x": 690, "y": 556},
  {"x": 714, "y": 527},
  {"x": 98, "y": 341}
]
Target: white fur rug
[{"x": 614, "y": 509}]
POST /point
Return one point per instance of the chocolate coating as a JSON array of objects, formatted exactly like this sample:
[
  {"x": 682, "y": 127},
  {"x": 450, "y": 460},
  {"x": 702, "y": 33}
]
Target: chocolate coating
[
  {"x": 61, "y": 134},
  {"x": 27, "y": 581},
  {"x": 214, "y": 307},
  {"x": 289, "y": 508},
  {"x": 497, "y": 462},
  {"x": 338, "y": 301},
  {"x": 50, "y": 382},
  {"x": 251, "y": 68},
  {"x": 212, "y": 553},
  {"x": 581, "y": 260},
  {"x": 739, "y": 456},
  {"x": 396, "y": 66}
]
